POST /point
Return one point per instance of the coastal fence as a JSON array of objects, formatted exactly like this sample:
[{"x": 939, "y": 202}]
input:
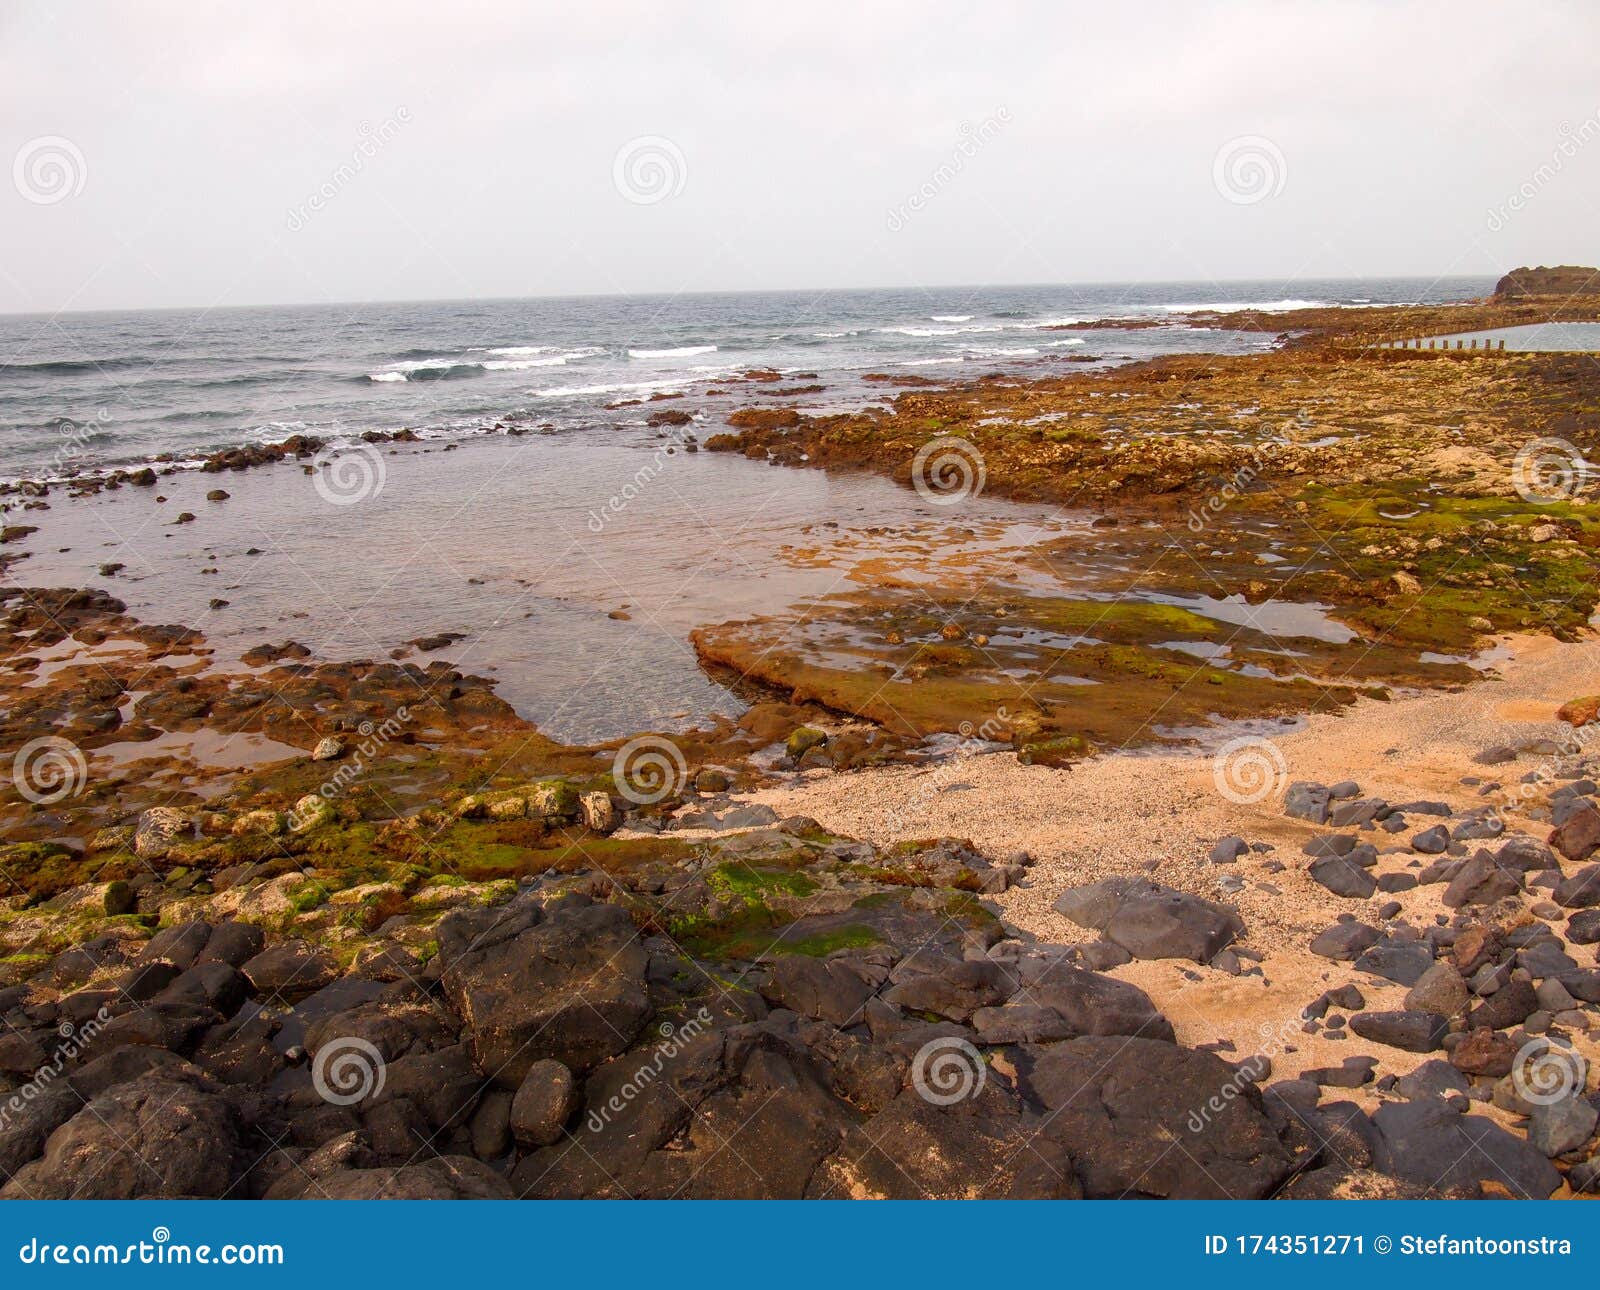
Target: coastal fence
[
  {"x": 1438, "y": 345},
  {"x": 1487, "y": 346}
]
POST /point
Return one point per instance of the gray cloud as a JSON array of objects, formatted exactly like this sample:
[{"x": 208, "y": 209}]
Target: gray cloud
[{"x": 797, "y": 135}]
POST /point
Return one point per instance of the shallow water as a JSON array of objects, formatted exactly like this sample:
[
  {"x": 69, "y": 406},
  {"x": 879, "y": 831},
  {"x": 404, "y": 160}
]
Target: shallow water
[{"x": 513, "y": 543}]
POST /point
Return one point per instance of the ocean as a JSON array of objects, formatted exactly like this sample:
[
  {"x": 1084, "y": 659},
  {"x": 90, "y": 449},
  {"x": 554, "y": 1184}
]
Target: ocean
[
  {"x": 81, "y": 392},
  {"x": 574, "y": 559}
]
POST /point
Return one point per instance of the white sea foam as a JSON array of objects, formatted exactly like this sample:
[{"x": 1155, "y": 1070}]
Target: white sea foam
[
  {"x": 933, "y": 331},
  {"x": 949, "y": 317},
  {"x": 683, "y": 351},
  {"x": 619, "y": 387},
  {"x": 517, "y": 360},
  {"x": 520, "y": 364}
]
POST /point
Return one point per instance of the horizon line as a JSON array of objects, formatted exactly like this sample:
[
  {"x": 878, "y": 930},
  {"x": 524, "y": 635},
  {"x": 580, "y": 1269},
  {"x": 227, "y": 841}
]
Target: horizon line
[{"x": 741, "y": 291}]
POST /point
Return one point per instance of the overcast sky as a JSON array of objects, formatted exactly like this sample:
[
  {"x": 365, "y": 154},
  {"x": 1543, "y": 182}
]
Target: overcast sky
[{"x": 237, "y": 154}]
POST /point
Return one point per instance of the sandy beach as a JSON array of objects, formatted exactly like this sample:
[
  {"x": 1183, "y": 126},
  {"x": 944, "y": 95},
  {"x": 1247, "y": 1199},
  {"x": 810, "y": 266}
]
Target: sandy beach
[{"x": 1161, "y": 814}]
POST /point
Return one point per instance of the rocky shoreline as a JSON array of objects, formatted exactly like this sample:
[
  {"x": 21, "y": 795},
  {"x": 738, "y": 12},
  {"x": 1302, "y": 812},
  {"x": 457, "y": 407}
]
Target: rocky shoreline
[
  {"x": 780, "y": 1011},
  {"x": 316, "y": 929}
]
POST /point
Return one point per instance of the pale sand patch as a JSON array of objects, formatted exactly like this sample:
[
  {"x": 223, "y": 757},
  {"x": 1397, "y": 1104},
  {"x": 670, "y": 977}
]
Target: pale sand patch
[{"x": 1161, "y": 815}]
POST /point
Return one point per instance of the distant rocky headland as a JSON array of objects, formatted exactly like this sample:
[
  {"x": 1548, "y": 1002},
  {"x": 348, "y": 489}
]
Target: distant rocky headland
[{"x": 1562, "y": 280}]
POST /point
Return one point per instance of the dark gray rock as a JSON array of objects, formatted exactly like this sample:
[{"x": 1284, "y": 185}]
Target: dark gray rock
[
  {"x": 1579, "y": 891},
  {"x": 568, "y": 985},
  {"x": 1359, "y": 813},
  {"x": 1343, "y": 878},
  {"x": 1480, "y": 880},
  {"x": 1092, "y": 1004},
  {"x": 1402, "y": 962},
  {"x": 1508, "y": 1006},
  {"x": 1527, "y": 854},
  {"x": 1484, "y": 824},
  {"x": 1431, "y": 841},
  {"x": 1556, "y": 1128},
  {"x": 166, "y": 1134},
  {"x": 1432, "y": 1079},
  {"x": 542, "y": 1104},
  {"x": 1151, "y": 921},
  {"x": 832, "y": 989},
  {"x": 952, "y": 988},
  {"x": 1344, "y": 942},
  {"x": 1119, "y": 1105},
  {"x": 1416, "y": 1032},
  {"x": 289, "y": 972},
  {"x": 1430, "y": 1143},
  {"x": 1304, "y": 800},
  {"x": 1353, "y": 1072},
  {"x": 1583, "y": 928},
  {"x": 1229, "y": 849}
]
